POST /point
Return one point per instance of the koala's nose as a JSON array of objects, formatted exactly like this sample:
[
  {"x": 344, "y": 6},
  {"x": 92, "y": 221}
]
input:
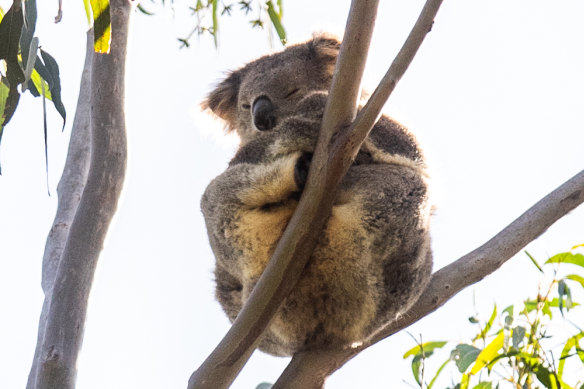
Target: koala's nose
[{"x": 263, "y": 114}]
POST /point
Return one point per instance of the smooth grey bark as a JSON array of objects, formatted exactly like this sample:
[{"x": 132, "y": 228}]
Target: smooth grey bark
[
  {"x": 69, "y": 292},
  {"x": 69, "y": 192}
]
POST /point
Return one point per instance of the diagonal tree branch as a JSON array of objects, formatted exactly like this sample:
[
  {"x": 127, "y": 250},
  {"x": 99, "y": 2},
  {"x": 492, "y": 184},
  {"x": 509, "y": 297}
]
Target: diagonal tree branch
[
  {"x": 65, "y": 317},
  {"x": 300, "y": 237},
  {"x": 310, "y": 369},
  {"x": 476, "y": 265}
]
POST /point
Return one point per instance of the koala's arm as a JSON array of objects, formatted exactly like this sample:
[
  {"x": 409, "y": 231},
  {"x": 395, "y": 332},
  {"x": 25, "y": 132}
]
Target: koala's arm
[{"x": 246, "y": 186}]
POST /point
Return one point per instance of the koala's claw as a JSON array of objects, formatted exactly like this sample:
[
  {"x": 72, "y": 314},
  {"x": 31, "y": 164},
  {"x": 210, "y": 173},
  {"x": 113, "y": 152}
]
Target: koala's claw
[{"x": 301, "y": 169}]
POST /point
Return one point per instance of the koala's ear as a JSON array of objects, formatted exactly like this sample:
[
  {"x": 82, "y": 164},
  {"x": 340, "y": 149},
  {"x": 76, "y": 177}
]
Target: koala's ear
[
  {"x": 324, "y": 47},
  {"x": 222, "y": 101}
]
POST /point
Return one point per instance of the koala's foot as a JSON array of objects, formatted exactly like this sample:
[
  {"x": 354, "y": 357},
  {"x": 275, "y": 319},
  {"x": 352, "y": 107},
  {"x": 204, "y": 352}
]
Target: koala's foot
[{"x": 301, "y": 169}]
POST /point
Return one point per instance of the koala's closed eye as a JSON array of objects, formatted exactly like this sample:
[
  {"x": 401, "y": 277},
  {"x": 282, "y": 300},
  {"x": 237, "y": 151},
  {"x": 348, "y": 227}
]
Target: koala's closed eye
[
  {"x": 245, "y": 106},
  {"x": 291, "y": 93}
]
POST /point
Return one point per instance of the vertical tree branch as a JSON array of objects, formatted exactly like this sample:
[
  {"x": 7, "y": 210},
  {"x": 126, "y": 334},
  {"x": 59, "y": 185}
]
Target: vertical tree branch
[
  {"x": 310, "y": 369},
  {"x": 300, "y": 237},
  {"x": 69, "y": 192},
  {"x": 65, "y": 319}
]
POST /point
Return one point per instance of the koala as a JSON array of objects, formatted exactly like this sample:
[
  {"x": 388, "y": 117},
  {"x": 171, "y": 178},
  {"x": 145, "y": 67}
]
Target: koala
[{"x": 373, "y": 258}]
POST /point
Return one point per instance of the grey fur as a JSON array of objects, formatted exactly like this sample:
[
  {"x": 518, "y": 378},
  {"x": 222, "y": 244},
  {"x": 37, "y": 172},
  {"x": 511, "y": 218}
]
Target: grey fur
[{"x": 373, "y": 259}]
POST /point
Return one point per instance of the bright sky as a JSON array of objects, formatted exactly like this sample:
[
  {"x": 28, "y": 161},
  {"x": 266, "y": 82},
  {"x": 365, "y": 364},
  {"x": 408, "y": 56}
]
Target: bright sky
[{"x": 494, "y": 95}]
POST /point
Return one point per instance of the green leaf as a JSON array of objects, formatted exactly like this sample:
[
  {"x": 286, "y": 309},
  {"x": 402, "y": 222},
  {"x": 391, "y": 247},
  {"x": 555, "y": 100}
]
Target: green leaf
[
  {"x": 34, "y": 85},
  {"x": 88, "y": 12},
  {"x": 547, "y": 378},
  {"x": 416, "y": 363},
  {"x": 489, "y": 353},
  {"x": 534, "y": 261},
  {"x": 4, "y": 92},
  {"x": 438, "y": 373},
  {"x": 490, "y": 322},
  {"x": 276, "y": 19},
  {"x": 264, "y": 385},
  {"x": 32, "y": 54},
  {"x": 509, "y": 310},
  {"x": 577, "y": 278},
  {"x": 100, "y": 10},
  {"x": 28, "y": 29},
  {"x": 465, "y": 381},
  {"x": 518, "y": 335},
  {"x": 464, "y": 355},
  {"x": 427, "y": 348},
  {"x": 572, "y": 343},
  {"x": 143, "y": 10},
  {"x": 10, "y": 29},
  {"x": 420, "y": 352},
  {"x": 574, "y": 259},
  {"x": 483, "y": 385},
  {"x": 54, "y": 83},
  {"x": 215, "y": 21},
  {"x": 564, "y": 291}
]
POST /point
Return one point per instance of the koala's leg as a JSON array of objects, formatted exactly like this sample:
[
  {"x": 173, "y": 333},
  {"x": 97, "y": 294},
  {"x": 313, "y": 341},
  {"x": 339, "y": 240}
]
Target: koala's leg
[
  {"x": 395, "y": 212},
  {"x": 228, "y": 292}
]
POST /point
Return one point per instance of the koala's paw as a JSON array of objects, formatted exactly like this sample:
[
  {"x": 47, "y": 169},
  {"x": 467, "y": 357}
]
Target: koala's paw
[{"x": 301, "y": 169}]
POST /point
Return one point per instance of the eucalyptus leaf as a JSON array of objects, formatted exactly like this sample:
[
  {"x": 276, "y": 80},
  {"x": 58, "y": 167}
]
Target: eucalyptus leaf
[
  {"x": 483, "y": 385},
  {"x": 534, "y": 262},
  {"x": 464, "y": 355},
  {"x": 577, "y": 278},
  {"x": 518, "y": 335},
  {"x": 416, "y": 363},
  {"x": 54, "y": 83},
  {"x": 571, "y": 258},
  {"x": 28, "y": 30},
  {"x": 276, "y": 19},
  {"x": 428, "y": 348},
  {"x": 101, "y": 25},
  {"x": 490, "y": 352}
]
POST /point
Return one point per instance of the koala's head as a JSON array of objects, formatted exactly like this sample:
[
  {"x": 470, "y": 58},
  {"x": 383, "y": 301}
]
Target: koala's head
[{"x": 264, "y": 92}]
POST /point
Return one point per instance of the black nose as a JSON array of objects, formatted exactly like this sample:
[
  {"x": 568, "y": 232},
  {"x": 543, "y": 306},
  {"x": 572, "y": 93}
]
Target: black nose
[{"x": 263, "y": 114}]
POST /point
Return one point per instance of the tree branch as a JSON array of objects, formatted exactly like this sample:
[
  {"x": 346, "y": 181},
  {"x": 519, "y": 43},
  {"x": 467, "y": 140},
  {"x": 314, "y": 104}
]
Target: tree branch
[
  {"x": 310, "y": 369},
  {"x": 300, "y": 237},
  {"x": 69, "y": 192},
  {"x": 65, "y": 318}
]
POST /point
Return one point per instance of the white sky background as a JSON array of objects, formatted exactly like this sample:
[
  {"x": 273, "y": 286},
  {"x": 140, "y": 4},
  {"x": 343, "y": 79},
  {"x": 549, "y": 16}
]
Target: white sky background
[{"x": 495, "y": 95}]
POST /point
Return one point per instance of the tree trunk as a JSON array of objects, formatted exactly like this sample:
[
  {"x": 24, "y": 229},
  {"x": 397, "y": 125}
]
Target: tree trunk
[{"x": 67, "y": 277}]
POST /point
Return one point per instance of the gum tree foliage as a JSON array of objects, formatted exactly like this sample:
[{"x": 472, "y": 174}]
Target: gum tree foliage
[
  {"x": 519, "y": 346},
  {"x": 26, "y": 67},
  {"x": 95, "y": 168}
]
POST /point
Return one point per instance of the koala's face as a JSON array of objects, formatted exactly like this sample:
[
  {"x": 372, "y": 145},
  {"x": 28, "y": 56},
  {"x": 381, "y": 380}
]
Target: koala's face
[{"x": 263, "y": 93}]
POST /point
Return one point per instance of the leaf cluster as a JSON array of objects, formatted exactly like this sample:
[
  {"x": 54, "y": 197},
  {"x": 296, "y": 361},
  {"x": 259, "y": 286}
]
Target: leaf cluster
[
  {"x": 24, "y": 65},
  {"x": 207, "y": 15},
  {"x": 508, "y": 350}
]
